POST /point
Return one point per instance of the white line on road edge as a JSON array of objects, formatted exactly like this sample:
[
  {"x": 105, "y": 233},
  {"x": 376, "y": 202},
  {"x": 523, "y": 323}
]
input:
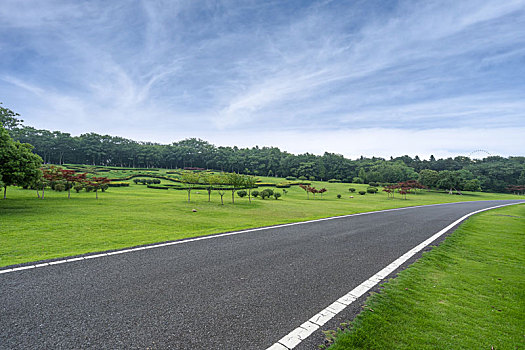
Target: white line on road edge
[
  {"x": 130, "y": 250},
  {"x": 295, "y": 337}
]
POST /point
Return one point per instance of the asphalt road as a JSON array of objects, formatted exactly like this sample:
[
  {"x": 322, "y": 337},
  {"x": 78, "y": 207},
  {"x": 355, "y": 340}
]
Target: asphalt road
[{"x": 243, "y": 291}]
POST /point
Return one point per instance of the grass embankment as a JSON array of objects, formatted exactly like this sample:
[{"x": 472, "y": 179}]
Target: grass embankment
[
  {"x": 33, "y": 229},
  {"x": 467, "y": 293}
]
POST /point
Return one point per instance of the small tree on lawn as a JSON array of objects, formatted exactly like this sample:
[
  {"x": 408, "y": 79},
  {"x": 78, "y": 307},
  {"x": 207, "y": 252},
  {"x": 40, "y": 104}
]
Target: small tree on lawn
[
  {"x": 190, "y": 179},
  {"x": 237, "y": 182},
  {"x": 249, "y": 183},
  {"x": 322, "y": 190},
  {"x": 98, "y": 183},
  {"x": 209, "y": 180},
  {"x": 307, "y": 190},
  {"x": 220, "y": 181}
]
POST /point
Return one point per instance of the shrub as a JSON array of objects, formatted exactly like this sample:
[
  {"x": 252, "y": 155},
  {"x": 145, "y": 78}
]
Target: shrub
[
  {"x": 283, "y": 185},
  {"x": 311, "y": 178},
  {"x": 374, "y": 184},
  {"x": 270, "y": 191},
  {"x": 302, "y": 178},
  {"x": 268, "y": 184},
  {"x": 255, "y": 193},
  {"x": 362, "y": 193},
  {"x": 351, "y": 189},
  {"x": 89, "y": 188},
  {"x": 158, "y": 187},
  {"x": 78, "y": 187},
  {"x": 60, "y": 187},
  {"x": 264, "y": 194},
  {"x": 372, "y": 190},
  {"x": 339, "y": 196},
  {"x": 334, "y": 180},
  {"x": 276, "y": 195},
  {"x": 242, "y": 193},
  {"x": 118, "y": 184},
  {"x": 104, "y": 187},
  {"x": 291, "y": 178}
]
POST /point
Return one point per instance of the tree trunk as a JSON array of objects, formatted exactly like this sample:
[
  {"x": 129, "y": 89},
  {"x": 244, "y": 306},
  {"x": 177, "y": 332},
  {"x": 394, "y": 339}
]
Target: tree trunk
[
  {"x": 69, "y": 193},
  {"x": 233, "y": 196},
  {"x": 250, "y": 195},
  {"x": 209, "y": 195},
  {"x": 222, "y": 202},
  {"x": 189, "y": 190},
  {"x": 96, "y": 194},
  {"x": 5, "y": 191}
]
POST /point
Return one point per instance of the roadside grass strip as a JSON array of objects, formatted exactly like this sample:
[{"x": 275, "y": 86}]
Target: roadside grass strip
[
  {"x": 183, "y": 241},
  {"x": 467, "y": 293},
  {"x": 295, "y": 337}
]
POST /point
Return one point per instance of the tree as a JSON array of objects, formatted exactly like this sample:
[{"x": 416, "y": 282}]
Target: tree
[
  {"x": 472, "y": 185},
  {"x": 220, "y": 181},
  {"x": 209, "y": 179},
  {"x": 236, "y": 181},
  {"x": 18, "y": 165},
  {"x": 191, "y": 179},
  {"x": 428, "y": 178},
  {"x": 8, "y": 118},
  {"x": 98, "y": 183},
  {"x": 250, "y": 182}
]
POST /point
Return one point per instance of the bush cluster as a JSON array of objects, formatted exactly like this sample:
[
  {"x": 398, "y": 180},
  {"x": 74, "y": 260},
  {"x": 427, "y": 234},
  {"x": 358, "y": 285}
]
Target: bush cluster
[
  {"x": 362, "y": 193},
  {"x": 118, "y": 184},
  {"x": 372, "y": 190},
  {"x": 147, "y": 181}
]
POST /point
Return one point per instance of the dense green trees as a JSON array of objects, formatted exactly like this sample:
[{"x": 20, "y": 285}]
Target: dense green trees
[
  {"x": 18, "y": 165},
  {"x": 493, "y": 173}
]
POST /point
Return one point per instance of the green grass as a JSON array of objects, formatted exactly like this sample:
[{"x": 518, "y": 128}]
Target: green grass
[
  {"x": 33, "y": 229},
  {"x": 467, "y": 293}
]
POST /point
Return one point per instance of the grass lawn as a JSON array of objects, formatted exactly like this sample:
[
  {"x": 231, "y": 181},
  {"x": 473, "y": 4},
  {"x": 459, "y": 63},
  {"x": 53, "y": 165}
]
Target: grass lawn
[
  {"x": 467, "y": 293},
  {"x": 33, "y": 229}
]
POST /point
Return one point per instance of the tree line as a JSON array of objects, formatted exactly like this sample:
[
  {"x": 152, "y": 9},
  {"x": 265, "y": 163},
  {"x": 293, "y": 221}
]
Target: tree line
[{"x": 494, "y": 173}]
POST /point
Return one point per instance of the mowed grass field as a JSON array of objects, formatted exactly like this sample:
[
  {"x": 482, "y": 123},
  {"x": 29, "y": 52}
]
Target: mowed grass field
[
  {"x": 467, "y": 293},
  {"x": 32, "y": 229}
]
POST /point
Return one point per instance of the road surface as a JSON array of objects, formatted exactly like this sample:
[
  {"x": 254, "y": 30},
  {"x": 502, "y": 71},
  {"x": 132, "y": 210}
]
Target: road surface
[{"x": 242, "y": 291}]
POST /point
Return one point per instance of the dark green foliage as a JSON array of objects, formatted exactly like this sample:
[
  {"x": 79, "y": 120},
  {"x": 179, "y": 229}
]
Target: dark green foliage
[
  {"x": 283, "y": 185},
  {"x": 339, "y": 196},
  {"x": 265, "y": 193},
  {"x": 357, "y": 180},
  {"x": 276, "y": 195},
  {"x": 362, "y": 193},
  {"x": 302, "y": 178},
  {"x": 118, "y": 184},
  {"x": 494, "y": 173},
  {"x": 371, "y": 190},
  {"x": 270, "y": 191},
  {"x": 59, "y": 187},
  {"x": 291, "y": 178},
  {"x": 334, "y": 181},
  {"x": 351, "y": 189},
  {"x": 255, "y": 193},
  {"x": 159, "y": 187},
  {"x": 374, "y": 184},
  {"x": 242, "y": 193},
  {"x": 78, "y": 187}
]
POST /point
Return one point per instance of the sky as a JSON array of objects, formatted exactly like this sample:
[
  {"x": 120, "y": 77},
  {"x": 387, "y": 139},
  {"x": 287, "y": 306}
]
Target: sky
[{"x": 373, "y": 78}]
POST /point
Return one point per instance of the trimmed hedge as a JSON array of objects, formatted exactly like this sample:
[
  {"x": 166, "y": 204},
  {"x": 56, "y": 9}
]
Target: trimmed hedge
[
  {"x": 118, "y": 184},
  {"x": 158, "y": 187}
]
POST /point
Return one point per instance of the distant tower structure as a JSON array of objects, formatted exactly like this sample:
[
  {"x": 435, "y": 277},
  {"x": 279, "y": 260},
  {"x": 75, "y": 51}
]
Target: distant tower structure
[{"x": 479, "y": 154}]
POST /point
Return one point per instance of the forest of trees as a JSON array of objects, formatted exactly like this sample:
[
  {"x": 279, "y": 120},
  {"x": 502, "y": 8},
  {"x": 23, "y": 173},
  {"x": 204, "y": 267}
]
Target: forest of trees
[{"x": 493, "y": 173}]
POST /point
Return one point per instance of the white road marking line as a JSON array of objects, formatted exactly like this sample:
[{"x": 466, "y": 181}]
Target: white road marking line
[
  {"x": 295, "y": 337},
  {"x": 130, "y": 250}
]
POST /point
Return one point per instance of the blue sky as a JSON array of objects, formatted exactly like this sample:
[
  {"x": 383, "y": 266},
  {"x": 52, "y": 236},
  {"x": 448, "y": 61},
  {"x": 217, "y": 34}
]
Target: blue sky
[{"x": 353, "y": 77}]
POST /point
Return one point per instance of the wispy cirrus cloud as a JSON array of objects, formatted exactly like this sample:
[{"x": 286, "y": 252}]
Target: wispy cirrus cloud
[{"x": 166, "y": 70}]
